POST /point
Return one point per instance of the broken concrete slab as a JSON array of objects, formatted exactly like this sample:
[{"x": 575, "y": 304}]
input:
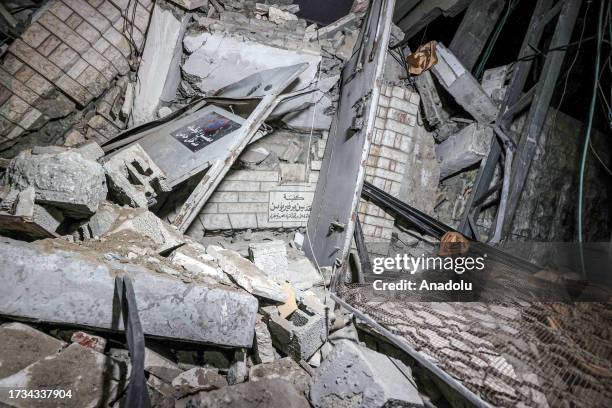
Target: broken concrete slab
[
  {"x": 300, "y": 335},
  {"x": 197, "y": 379},
  {"x": 316, "y": 117},
  {"x": 190, "y": 4},
  {"x": 77, "y": 288},
  {"x": 270, "y": 257},
  {"x": 285, "y": 369},
  {"x": 263, "y": 350},
  {"x": 293, "y": 152},
  {"x": 301, "y": 272},
  {"x": 82, "y": 368},
  {"x": 144, "y": 223},
  {"x": 159, "y": 73},
  {"x": 246, "y": 274},
  {"x": 65, "y": 180},
  {"x": 198, "y": 264},
  {"x": 90, "y": 151},
  {"x": 102, "y": 221},
  {"x": 460, "y": 83},
  {"x": 278, "y": 16},
  {"x": 23, "y": 345},
  {"x": 254, "y": 156},
  {"x": 273, "y": 393},
  {"x": 342, "y": 23},
  {"x": 464, "y": 149},
  {"x": 216, "y": 62},
  {"x": 374, "y": 381}
]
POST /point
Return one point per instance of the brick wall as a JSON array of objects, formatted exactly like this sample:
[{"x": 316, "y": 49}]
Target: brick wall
[
  {"x": 68, "y": 56},
  {"x": 242, "y": 199},
  {"x": 401, "y": 161}
]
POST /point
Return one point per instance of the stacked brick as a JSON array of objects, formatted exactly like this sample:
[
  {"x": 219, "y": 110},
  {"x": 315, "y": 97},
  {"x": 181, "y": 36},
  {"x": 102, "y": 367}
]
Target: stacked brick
[
  {"x": 67, "y": 57},
  {"x": 390, "y": 154}
]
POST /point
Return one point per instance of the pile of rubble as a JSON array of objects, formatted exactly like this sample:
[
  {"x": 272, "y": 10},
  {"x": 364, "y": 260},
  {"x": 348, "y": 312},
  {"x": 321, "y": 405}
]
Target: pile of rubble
[{"x": 264, "y": 326}]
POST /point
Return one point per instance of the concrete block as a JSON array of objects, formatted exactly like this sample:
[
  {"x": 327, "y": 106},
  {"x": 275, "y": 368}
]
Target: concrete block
[
  {"x": 300, "y": 335},
  {"x": 65, "y": 180},
  {"x": 75, "y": 289},
  {"x": 23, "y": 345},
  {"x": 463, "y": 149},
  {"x": 275, "y": 393},
  {"x": 82, "y": 368},
  {"x": 262, "y": 348},
  {"x": 247, "y": 275},
  {"x": 243, "y": 221},
  {"x": 145, "y": 224},
  {"x": 284, "y": 368},
  {"x": 197, "y": 379},
  {"x": 301, "y": 272},
  {"x": 271, "y": 258},
  {"x": 199, "y": 265},
  {"x": 374, "y": 380}
]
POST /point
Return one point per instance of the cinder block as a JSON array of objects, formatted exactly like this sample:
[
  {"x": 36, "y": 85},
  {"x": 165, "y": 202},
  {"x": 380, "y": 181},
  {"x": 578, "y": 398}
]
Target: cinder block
[{"x": 301, "y": 335}]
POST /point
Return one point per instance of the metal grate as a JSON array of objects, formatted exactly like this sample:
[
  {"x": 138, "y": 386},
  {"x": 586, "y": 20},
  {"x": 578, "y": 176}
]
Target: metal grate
[{"x": 512, "y": 353}]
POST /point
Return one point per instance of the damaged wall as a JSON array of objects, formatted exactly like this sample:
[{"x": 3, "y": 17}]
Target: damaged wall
[{"x": 66, "y": 58}]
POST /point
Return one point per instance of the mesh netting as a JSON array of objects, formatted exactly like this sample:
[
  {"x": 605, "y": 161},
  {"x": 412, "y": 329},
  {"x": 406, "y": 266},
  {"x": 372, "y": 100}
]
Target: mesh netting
[{"x": 508, "y": 349}]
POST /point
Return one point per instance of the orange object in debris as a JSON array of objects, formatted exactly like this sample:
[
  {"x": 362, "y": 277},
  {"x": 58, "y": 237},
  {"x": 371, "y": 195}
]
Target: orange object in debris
[
  {"x": 453, "y": 243},
  {"x": 422, "y": 59}
]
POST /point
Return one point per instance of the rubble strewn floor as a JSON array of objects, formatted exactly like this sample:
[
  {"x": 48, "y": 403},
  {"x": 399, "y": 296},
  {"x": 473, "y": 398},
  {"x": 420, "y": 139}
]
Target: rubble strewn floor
[{"x": 182, "y": 221}]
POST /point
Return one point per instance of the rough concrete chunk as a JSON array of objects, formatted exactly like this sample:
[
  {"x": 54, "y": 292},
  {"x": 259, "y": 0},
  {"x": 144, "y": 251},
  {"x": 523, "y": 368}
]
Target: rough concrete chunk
[
  {"x": 284, "y": 368},
  {"x": 355, "y": 376},
  {"x": 80, "y": 369},
  {"x": 263, "y": 349},
  {"x": 463, "y": 149},
  {"x": 270, "y": 257},
  {"x": 65, "y": 180},
  {"x": 145, "y": 223},
  {"x": 197, "y": 265},
  {"x": 301, "y": 272},
  {"x": 267, "y": 393},
  {"x": 102, "y": 221},
  {"x": 23, "y": 345},
  {"x": 247, "y": 275},
  {"x": 90, "y": 151},
  {"x": 197, "y": 379},
  {"x": 76, "y": 288}
]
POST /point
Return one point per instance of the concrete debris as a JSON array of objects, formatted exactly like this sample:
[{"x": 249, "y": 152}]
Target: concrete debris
[
  {"x": 190, "y": 4},
  {"x": 197, "y": 379},
  {"x": 316, "y": 117},
  {"x": 463, "y": 86},
  {"x": 274, "y": 393},
  {"x": 293, "y": 151},
  {"x": 80, "y": 367},
  {"x": 168, "y": 307},
  {"x": 101, "y": 222},
  {"x": 279, "y": 16},
  {"x": 133, "y": 177},
  {"x": 355, "y": 376},
  {"x": 262, "y": 348},
  {"x": 285, "y": 369},
  {"x": 23, "y": 345},
  {"x": 214, "y": 64},
  {"x": 90, "y": 151},
  {"x": 144, "y": 223},
  {"x": 247, "y": 275},
  {"x": 300, "y": 335},
  {"x": 301, "y": 272},
  {"x": 254, "y": 156},
  {"x": 464, "y": 149},
  {"x": 22, "y": 218},
  {"x": 159, "y": 72},
  {"x": 270, "y": 257},
  {"x": 96, "y": 343},
  {"x": 200, "y": 264},
  {"x": 64, "y": 180},
  {"x": 238, "y": 372},
  {"x": 334, "y": 27}
]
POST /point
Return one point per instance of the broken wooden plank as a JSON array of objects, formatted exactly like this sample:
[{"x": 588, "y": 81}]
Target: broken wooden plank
[
  {"x": 334, "y": 209},
  {"x": 221, "y": 166}
]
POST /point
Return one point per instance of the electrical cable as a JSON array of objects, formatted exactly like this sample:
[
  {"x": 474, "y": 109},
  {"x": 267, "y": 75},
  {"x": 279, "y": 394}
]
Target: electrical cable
[{"x": 588, "y": 132}]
